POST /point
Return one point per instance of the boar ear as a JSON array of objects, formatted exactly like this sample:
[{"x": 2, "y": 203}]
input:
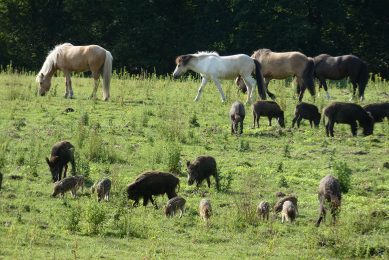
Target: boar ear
[
  {"x": 187, "y": 163},
  {"x": 48, "y": 161}
]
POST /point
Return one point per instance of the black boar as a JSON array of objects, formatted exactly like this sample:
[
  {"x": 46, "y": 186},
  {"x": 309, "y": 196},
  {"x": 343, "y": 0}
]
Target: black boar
[
  {"x": 270, "y": 109},
  {"x": 103, "y": 189},
  {"x": 173, "y": 205},
  {"x": 263, "y": 210},
  {"x": 288, "y": 212},
  {"x": 61, "y": 154},
  {"x": 202, "y": 169},
  {"x": 329, "y": 192},
  {"x": 348, "y": 113},
  {"x": 237, "y": 115},
  {"x": 378, "y": 111},
  {"x": 306, "y": 111},
  {"x": 71, "y": 184},
  {"x": 152, "y": 183}
]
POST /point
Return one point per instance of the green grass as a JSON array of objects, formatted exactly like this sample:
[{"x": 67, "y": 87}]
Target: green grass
[{"x": 153, "y": 123}]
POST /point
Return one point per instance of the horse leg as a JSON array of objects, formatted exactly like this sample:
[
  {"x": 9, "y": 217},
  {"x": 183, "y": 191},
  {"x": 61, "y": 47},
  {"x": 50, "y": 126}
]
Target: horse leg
[
  {"x": 271, "y": 95},
  {"x": 361, "y": 90},
  {"x": 200, "y": 90},
  {"x": 250, "y": 83},
  {"x": 68, "y": 84},
  {"x": 354, "y": 90},
  {"x": 324, "y": 83},
  {"x": 219, "y": 87},
  {"x": 96, "y": 85}
]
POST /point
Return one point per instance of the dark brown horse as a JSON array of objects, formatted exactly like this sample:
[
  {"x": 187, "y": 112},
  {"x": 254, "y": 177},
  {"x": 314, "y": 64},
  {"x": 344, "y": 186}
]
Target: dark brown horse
[{"x": 336, "y": 68}]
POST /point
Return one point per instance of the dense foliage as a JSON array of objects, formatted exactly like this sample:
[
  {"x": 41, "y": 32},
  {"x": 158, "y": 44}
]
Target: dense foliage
[{"x": 149, "y": 34}]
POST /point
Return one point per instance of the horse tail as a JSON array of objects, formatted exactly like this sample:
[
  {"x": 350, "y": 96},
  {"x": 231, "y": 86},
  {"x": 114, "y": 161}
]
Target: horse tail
[
  {"x": 259, "y": 78},
  {"x": 107, "y": 73},
  {"x": 363, "y": 78},
  {"x": 308, "y": 75}
]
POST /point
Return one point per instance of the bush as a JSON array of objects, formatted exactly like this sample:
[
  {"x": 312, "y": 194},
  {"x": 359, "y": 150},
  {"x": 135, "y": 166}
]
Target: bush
[
  {"x": 173, "y": 154},
  {"x": 94, "y": 216},
  {"x": 343, "y": 173},
  {"x": 73, "y": 219}
]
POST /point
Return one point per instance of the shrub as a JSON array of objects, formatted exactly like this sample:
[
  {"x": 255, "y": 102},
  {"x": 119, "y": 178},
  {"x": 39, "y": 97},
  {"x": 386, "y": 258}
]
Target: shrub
[
  {"x": 72, "y": 220},
  {"x": 94, "y": 216},
  {"x": 173, "y": 154},
  {"x": 343, "y": 173}
]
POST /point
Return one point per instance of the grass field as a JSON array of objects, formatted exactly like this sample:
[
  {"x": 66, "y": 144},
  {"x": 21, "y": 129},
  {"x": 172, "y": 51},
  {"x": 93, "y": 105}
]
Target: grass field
[{"x": 153, "y": 123}]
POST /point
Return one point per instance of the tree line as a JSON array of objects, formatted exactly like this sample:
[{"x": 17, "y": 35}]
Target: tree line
[{"x": 149, "y": 34}]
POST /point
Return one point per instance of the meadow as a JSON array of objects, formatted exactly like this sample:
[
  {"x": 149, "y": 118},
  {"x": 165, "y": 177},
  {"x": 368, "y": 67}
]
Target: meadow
[{"x": 152, "y": 123}]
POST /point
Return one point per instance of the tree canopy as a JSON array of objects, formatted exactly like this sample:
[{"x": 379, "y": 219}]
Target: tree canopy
[{"x": 149, "y": 34}]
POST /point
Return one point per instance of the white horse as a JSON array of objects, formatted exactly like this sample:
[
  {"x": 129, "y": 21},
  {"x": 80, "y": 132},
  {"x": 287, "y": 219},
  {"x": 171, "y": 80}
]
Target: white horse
[
  {"x": 68, "y": 58},
  {"x": 213, "y": 67}
]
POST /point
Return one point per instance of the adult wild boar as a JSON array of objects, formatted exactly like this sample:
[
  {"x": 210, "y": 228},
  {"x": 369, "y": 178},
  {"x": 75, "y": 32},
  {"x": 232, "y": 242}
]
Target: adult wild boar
[
  {"x": 329, "y": 193},
  {"x": 270, "y": 109},
  {"x": 202, "y": 169},
  {"x": 61, "y": 153},
  {"x": 152, "y": 183},
  {"x": 378, "y": 111},
  {"x": 348, "y": 113}
]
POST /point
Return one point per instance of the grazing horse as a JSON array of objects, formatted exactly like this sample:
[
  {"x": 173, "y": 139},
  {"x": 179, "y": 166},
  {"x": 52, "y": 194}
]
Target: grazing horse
[
  {"x": 336, "y": 68},
  {"x": 280, "y": 65},
  {"x": 68, "y": 58},
  {"x": 213, "y": 67}
]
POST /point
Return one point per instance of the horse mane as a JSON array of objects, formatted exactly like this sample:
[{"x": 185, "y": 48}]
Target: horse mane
[
  {"x": 51, "y": 60},
  {"x": 263, "y": 51},
  {"x": 200, "y": 54}
]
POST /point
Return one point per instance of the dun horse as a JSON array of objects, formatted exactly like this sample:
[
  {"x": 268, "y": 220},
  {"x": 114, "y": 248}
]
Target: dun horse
[
  {"x": 213, "y": 67},
  {"x": 280, "y": 65},
  {"x": 69, "y": 58},
  {"x": 336, "y": 68}
]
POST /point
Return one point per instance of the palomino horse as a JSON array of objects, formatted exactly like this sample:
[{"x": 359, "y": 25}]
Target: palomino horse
[
  {"x": 213, "y": 67},
  {"x": 68, "y": 58},
  {"x": 335, "y": 68},
  {"x": 280, "y": 65}
]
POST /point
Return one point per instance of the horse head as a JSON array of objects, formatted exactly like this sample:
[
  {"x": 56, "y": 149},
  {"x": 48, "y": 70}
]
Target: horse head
[
  {"x": 182, "y": 62},
  {"x": 44, "y": 83}
]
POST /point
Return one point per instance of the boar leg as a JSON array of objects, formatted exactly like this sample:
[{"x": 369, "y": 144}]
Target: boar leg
[
  {"x": 64, "y": 173},
  {"x": 209, "y": 182},
  {"x": 310, "y": 122},
  {"x": 294, "y": 120},
  {"x": 353, "y": 126},
  {"x": 299, "y": 121},
  {"x": 270, "y": 118}
]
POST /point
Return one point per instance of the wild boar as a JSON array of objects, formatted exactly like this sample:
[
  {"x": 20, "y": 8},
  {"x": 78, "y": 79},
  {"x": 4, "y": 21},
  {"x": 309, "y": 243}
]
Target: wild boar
[
  {"x": 348, "y": 113},
  {"x": 152, "y": 183},
  {"x": 103, "y": 189},
  {"x": 288, "y": 212},
  {"x": 237, "y": 115},
  {"x": 278, "y": 206},
  {"x": 263, "y": 210},
  {"x": 205, "y": 209},
  {"x": 306, "y": 111},
  {"x": 173, "y": 205},
  {"x": 378, "y": 111},
  {"x": 270, "y": 109},
  {"x": 329, "y": 193},
  {"x": 201, "y": 169},
  {"x": 240, "y": 85},
  {"x": 61, "y": 154},
  {"x": 71, "y": 184}
]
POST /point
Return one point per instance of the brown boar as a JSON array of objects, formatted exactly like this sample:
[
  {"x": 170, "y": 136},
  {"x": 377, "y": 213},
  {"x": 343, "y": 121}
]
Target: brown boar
[
  {"x": 103, "y": 189},
  {"x": 270, "y": 109},
  {"x": 378, "y": 111},
  {"x": 237, "y": 115},
  {"x": 61, "y": 153},
  {"x": 306, "y": 111},
  {"x": 329, "y": 193},
  {"x": 202, "y": 169},
  {"x": 71, "y": 184},
  {"x": 288, "y": 212},
  {"x": 152, "y": 183},
  {"x": 263, "y": 210},
  {"x": 348, "y": 113},
  {"x": 205, "y": 209},
  {"x": 173, "y": 205}
]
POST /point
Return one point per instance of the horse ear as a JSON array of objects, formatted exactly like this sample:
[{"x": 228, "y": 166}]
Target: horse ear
[{"x": 187, "y": 163}]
